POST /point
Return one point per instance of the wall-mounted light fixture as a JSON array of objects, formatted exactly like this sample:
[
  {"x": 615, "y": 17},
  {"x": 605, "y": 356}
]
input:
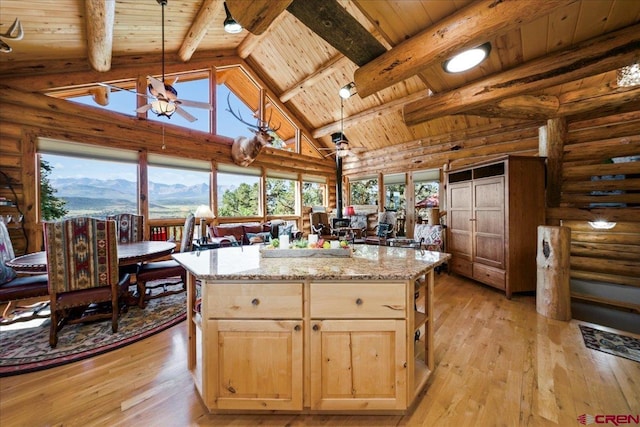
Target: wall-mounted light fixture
[
  {"x": 629, "y": 76},
  {"x": 231, "y": 26},
  {"x": 602, "y": 225},
  {"x": 467, "y": 59},
  {"x": 347, "y": 91}
]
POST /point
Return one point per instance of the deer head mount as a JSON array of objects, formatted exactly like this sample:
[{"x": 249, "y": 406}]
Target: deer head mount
[
  {"x": 15, "y": 32},
  {"x": 245, "y": 150}
]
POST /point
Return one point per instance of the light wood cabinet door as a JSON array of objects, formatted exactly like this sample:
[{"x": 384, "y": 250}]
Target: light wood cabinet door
[
  {"x": 460, "y": 220},
  {"x": 488, "y": 217},
  {"x": 258, "y": 364},
  {"x": 358, "y": 364}
]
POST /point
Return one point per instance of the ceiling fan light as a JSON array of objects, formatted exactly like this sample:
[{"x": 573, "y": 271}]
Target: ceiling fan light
[
  {"x": 162, "y": 107},
  {"x": 467, "y": 59},
  {"x": 231, "y": 26}
]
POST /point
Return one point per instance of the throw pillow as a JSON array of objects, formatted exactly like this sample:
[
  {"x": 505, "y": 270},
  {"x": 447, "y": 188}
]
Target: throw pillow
[{"x": 286, "y": 230}]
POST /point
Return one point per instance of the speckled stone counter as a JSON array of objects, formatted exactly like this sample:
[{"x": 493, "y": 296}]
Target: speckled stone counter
[
  {"x": 310, "y": 335},
  {"x": 369, "y": 262}
]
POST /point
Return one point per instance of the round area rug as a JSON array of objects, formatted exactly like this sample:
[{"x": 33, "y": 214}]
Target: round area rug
[{"x": 24, "y": 347}]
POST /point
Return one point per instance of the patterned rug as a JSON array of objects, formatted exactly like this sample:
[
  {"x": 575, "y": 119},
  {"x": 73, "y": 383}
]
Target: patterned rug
[
  {"x": 608, "y": 342},
  {"x": 24, "y": 346}
]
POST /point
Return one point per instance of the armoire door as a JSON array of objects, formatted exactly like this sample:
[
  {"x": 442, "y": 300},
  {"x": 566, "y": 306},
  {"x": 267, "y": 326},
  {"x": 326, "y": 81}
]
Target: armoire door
[{"x": 489, "y": 217}]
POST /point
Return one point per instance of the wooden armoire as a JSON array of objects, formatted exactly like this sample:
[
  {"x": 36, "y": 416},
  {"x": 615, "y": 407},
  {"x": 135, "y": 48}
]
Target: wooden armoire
[{"x": 494, "y": 209}]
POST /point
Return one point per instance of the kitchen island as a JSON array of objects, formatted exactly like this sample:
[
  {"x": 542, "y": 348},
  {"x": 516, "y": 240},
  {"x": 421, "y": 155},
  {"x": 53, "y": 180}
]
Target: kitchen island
[{"x": 310, "y": 335}]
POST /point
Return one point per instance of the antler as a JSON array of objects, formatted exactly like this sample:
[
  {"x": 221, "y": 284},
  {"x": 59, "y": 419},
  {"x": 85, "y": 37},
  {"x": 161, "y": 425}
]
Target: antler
[
  {"x": 239, "y": 116},
  {"x": 15, "y": 32}
]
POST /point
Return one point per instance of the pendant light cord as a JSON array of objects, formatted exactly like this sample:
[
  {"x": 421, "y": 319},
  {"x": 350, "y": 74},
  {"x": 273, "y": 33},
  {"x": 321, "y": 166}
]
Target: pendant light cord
[{"x": 163, "y": 6}]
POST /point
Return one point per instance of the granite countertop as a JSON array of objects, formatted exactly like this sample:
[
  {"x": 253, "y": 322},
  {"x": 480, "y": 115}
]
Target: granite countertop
[{"x": 369, "y": 262}]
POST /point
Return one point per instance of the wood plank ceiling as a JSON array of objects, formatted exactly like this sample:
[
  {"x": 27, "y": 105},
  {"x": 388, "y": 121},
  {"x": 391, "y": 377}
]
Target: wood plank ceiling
[{"x": 545, "y": 55}]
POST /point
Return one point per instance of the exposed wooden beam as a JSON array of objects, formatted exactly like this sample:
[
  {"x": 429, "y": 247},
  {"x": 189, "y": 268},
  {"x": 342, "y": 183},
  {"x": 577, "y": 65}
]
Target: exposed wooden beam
[
  {"x": 365, "y": 115},
  {"x": 209, "y": 10},
  {"x": 331, "y": 22},
  {"x": 99, "y": 19},
  {"x": 552, "y": 139},
  {"x": 328, "y": 68},
  {"x": 469, "y": 27},
  {"x": 257, "y": 15},
  {"x": 595, "y": 56},
  {"x": 525, "y": 107}
]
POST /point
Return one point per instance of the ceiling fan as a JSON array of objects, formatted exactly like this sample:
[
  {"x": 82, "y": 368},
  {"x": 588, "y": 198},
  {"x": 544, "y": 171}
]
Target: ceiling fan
[
  {"x": 342, "y": 148},
  {"x": 164, "y": 97}
]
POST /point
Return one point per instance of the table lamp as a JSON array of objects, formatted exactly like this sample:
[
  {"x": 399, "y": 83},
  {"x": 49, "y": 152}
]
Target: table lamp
[
  {"x": 203, "y": 212},
  {"x": 349, "y": 211}
]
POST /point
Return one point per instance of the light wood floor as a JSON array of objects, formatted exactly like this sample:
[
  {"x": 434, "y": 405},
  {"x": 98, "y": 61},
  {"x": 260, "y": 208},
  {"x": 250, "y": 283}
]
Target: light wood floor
[{"x": 499, "y": 363}]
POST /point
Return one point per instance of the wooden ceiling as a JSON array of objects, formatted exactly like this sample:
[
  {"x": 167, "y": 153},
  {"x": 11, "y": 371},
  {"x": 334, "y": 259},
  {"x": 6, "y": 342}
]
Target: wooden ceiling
[{"x": 548, "y": 57}]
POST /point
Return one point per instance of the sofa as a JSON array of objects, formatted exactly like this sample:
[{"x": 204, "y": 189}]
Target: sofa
[{"x": 249, "y": 233}]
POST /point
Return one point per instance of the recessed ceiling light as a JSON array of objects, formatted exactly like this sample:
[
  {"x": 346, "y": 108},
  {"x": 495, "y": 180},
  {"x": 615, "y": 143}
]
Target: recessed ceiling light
[{"x": 467, "y": 59}]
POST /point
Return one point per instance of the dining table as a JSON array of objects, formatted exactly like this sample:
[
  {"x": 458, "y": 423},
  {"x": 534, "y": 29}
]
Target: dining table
[{"x": 128, "y": 254}]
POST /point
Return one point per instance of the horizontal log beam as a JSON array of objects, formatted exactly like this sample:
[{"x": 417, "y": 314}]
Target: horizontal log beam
[
  {"x": 594, "y": 214},
  {"x": 524, "y": 107},
  {"x": 595, "y": 56},
  {"x": 469, "y": 27}
]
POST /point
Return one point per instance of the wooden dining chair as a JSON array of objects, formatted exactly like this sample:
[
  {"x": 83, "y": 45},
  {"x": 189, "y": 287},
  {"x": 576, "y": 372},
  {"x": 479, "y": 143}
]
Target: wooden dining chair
[
  {"x": 162, "y": 270},
  {"x": 14, "y": 288},
  {"x": 82, "y": 263},
  {"x": 130, "y": 227}
]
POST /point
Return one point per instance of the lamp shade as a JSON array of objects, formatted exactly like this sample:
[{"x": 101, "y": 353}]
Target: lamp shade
[
  {"x": 204, "y": 211},
  {"x": 349, "y": 211}
]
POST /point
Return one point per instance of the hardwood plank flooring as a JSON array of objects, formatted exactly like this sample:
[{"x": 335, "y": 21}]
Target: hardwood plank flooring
[{"x": 498, "y": 363}]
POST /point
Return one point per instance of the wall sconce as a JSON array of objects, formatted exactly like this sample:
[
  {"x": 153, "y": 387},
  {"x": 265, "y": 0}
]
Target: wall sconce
[
  {"x": 347, "y": 91},
  {"x": 203, "y": 212},
  {"x": 231, "y": 26},
  {"x": 602, "y": 224},
  {"x": 467, "y": 59}
]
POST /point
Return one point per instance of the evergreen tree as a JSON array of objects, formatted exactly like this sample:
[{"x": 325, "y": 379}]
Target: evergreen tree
[
  {"x": 242, "y": 201},
  {"x": 51, "y": 206}
]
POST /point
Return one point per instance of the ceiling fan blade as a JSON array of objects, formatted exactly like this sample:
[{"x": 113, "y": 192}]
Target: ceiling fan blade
[
  {"x": 185, "y": 114},
  {"x": 143, "y": 109},
  {"x": 196, "y": 104},
  {"x": 158, "y": 86},
  {"x": 121, "y": 88}
]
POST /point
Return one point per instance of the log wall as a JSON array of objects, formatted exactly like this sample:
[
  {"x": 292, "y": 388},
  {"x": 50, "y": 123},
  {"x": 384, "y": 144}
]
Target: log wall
[{"x": 607, "y": 256}]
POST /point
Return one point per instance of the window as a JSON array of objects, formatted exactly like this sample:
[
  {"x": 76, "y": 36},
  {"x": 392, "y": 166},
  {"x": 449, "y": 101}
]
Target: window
[
  {"x": 313, "y": 191},
  {"x": 176, "y": 186},
  {"x": 427, "y": 187},
  {"x": 120, "y": 101},
  {"x": 364, "y": 191},
  {"x": 238, "y": 191},
  {"x": 394, "y": 186},
  {"x": 87, "y": 180},
  {"x": 190, "y": 87},
  {"x": 281, "y": 193}
]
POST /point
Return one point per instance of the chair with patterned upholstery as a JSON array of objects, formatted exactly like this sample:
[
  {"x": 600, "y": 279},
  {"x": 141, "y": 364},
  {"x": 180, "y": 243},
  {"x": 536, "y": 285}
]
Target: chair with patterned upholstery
[
  {"x": 161, "y": 270},
  {"x": 82, "y": 263},
  {"x": 14, "y": 287},
  {"x": 385, "y": 229},
  {"x": 130, "y": 227}
]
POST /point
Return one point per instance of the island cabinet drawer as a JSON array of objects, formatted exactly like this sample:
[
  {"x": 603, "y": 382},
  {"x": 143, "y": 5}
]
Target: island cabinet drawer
[
  {"x": 253, "y": 300},
  {"x": 360, "y": 300}
]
